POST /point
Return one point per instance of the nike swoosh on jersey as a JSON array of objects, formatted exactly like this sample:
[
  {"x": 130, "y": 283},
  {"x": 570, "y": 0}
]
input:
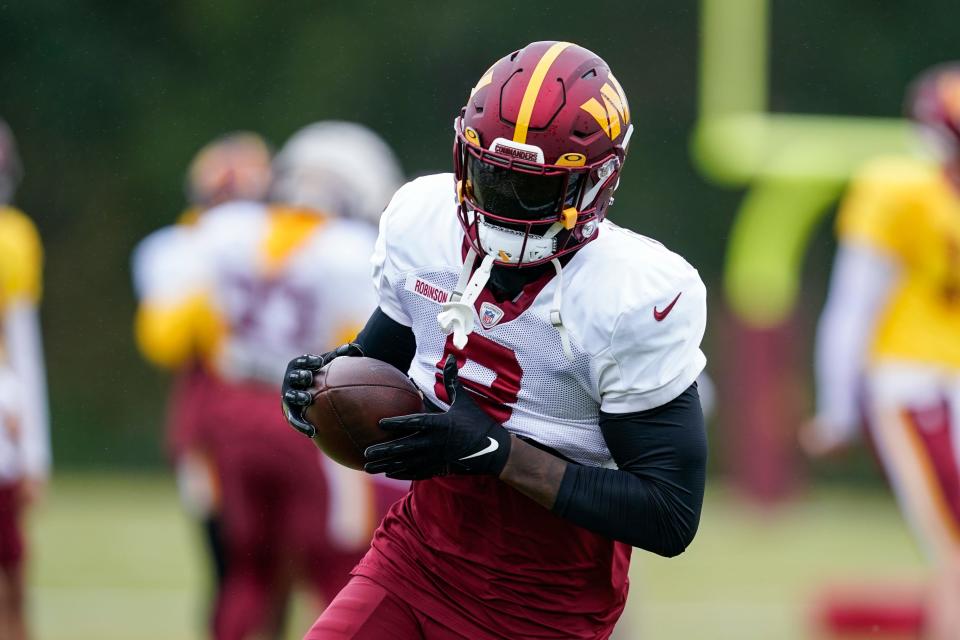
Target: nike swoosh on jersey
[
  {"x": 490, "y": 448},
  {"x": 660, "y": 315}
]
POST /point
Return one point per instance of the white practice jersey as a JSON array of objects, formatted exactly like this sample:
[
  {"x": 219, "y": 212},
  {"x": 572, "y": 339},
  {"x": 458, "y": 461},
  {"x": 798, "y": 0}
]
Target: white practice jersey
[
  {"x": 261, "y": 284},
  {"x": 635, "y": 313}
]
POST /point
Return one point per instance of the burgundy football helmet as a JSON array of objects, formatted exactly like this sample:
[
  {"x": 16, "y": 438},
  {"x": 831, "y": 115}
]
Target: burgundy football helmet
[
  {"x": 933, "y": 102},
  {"x": 10, "y": 169},
  {"x": 235, "y": 166},
  {"x": 538, "y": 152}
]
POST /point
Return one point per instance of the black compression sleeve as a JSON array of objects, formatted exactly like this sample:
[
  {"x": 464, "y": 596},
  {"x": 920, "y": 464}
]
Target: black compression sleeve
[
  {"x": 386, "y": 339},
  {"x": 653, "y": 500}
]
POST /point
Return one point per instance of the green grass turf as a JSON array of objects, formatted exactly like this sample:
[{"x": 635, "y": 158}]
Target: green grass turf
[{"x": 113, "y": 557}]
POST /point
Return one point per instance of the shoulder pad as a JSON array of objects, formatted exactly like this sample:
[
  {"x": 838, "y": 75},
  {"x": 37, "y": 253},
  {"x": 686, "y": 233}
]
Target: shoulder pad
[{"x": 21, "y": 257}]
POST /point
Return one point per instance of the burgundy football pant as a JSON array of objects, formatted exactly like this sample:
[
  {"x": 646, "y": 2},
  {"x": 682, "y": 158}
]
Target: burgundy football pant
[
  {"x": 11, "y": 535},
  {"x": 274, "y": 513},
  {"x": 364, "y": 610}
]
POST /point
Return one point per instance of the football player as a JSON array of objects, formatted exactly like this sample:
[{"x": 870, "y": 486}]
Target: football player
[
  {"x": 889, "y": 337},
  {"x": 235, "y": 166},
  {"x": 258, "y": 284},
  {"x": 24, "y": 429},
  {"x": 558, "y": 353}
]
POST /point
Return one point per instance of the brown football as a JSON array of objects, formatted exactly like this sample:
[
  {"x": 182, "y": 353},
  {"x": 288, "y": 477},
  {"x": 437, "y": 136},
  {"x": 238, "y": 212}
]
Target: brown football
[{"x": 350, "y": 397}]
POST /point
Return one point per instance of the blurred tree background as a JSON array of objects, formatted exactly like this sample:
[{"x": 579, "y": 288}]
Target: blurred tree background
[{"x": 110, "y": 99}]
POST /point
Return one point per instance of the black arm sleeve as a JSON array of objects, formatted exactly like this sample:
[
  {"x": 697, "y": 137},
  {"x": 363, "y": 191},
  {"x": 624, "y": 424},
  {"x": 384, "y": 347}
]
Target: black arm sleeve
[
  {"x": 386, "y": 339},
  {"x": 653, "y": 500}
]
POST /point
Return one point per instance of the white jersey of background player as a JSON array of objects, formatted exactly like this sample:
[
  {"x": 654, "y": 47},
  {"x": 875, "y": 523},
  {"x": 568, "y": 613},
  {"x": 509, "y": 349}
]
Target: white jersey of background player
[
  {"x": 615, "y": 295},
  {"x": 263, "y": 281},
  {"x": 259, "y": 283}
]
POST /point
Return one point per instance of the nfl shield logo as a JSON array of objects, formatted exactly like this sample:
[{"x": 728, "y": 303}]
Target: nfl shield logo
[{"x": 490, "y": 315}]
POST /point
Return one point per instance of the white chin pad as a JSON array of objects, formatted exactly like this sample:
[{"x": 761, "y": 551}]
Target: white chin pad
[{"x": 506, "y": 244}]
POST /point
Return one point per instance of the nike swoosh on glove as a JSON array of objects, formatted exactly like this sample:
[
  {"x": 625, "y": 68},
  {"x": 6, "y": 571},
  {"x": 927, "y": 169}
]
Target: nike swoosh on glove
[
  {"x": 295, "y": 395},
  {"x": 463, "y": 440}
]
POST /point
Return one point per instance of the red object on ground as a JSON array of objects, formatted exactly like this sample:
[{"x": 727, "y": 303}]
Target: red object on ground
[{"x": 893, "y": 612}]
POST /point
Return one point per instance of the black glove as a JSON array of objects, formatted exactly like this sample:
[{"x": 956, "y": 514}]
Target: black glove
[
  {"x": 299, "y": 378},
  {"x": 463, "y": 440}
]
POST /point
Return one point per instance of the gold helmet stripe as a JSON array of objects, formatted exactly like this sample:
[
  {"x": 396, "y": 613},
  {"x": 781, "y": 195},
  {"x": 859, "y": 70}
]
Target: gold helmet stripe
[{"x": 533, "y": 90}]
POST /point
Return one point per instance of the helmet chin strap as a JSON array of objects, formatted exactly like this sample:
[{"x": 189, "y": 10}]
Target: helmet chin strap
[
  {"x": 457, "y": 314},
  {"x": 555, "y": 318}
]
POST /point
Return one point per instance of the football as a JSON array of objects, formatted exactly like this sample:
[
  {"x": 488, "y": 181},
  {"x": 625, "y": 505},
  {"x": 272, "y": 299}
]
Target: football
[{"x": 350, "y": 397}]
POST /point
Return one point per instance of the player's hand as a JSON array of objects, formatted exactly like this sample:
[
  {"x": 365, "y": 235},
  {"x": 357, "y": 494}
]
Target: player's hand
[
  {"x": 298, "y": 379},
  {"x": 820, "y": 440},
  {"x": 463, "y": 440}
]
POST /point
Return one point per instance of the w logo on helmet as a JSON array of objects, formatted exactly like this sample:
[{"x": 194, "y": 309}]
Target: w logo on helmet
[{"x": 612, "y": 111}]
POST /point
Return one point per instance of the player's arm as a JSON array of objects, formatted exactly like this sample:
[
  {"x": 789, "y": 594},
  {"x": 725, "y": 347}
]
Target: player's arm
[
  {"x": 859, "y": 285},
  {"x": 874, "y": 227},
  {"x": 22, "y": 336},
  {"x": 386, "y": 339},
  {"x": 652, "y": 422},
  {"x": 652, "y": 501}
]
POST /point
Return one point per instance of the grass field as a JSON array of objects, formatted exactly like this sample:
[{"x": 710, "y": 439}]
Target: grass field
[{"x": 114, "y": 558}]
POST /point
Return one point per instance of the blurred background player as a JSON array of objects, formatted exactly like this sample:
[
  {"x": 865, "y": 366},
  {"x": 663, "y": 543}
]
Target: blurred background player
[
  {"x": 24, "y": 430},
  {"x": 235, "y": 166},
  {"x": 255, "y": 285},
  {"x": 889, "y": 338}
]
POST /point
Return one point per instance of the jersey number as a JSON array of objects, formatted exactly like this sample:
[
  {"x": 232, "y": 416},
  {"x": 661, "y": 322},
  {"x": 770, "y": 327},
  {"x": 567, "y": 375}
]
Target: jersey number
[
  {"x": 271, "y": 311},
  {"x": 496, "y": 398}
]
